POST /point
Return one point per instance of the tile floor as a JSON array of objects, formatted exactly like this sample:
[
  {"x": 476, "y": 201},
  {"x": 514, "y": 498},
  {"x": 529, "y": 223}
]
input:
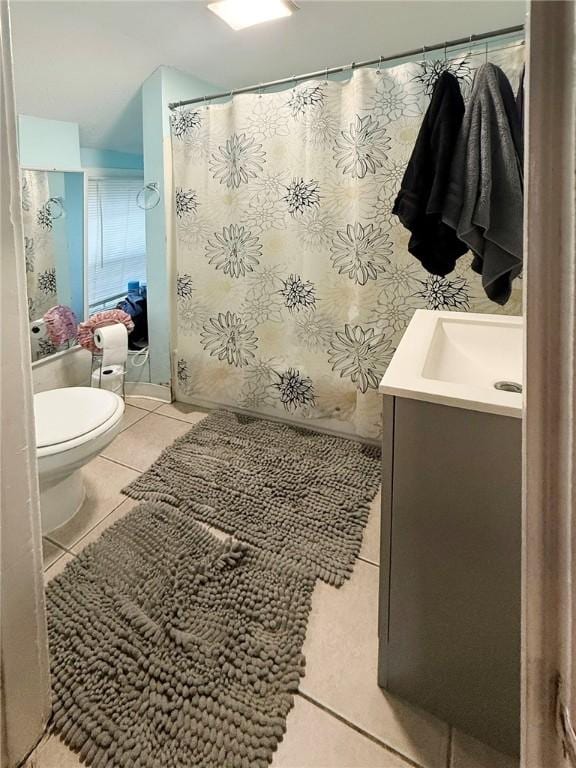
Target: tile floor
[{"x": 341, "y": 718}]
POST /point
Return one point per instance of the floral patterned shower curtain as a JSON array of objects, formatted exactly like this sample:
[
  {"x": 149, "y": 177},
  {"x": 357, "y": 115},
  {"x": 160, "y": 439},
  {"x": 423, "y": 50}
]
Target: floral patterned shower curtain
[
  {"x": 39, "y": 243},
  {"x": 294, "y": 282}
]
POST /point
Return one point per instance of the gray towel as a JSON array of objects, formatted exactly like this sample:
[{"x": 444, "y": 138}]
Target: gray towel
[{"x": 484, "y": 201}]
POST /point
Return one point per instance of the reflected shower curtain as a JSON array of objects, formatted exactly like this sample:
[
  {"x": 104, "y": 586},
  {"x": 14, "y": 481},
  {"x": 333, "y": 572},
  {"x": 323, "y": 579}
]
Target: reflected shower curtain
[
  {"x": 39, "y": 245},
  {"x": 294, "y": 284}
]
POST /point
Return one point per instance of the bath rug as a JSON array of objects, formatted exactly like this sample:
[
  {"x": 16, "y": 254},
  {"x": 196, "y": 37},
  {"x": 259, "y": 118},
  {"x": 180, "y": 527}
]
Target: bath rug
[
  {"x": 283, "y": 489},
  {"x": 173, "y": 649}
]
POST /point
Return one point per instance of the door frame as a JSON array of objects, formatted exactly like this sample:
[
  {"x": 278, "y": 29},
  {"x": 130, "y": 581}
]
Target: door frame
[{"x": 549, "y": 455}]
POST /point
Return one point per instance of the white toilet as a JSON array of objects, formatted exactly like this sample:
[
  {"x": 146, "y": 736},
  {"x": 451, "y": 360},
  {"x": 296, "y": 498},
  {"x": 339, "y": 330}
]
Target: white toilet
[{"x": 73, "y": 425}]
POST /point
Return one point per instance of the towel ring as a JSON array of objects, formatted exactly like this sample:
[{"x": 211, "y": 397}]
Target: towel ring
[
  {"x": 56, "y": 207},
  {"x": 152, "y": 186}
]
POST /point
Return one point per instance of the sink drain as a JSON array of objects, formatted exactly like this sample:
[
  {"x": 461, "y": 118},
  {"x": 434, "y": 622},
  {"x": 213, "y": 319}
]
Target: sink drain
[{"x": 508, "y": 386}]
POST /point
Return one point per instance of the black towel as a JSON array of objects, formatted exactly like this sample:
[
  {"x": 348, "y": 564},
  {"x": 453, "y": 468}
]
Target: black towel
[
  {"x": 520, "y": 98},
  {"x": 421, "y": 198}
]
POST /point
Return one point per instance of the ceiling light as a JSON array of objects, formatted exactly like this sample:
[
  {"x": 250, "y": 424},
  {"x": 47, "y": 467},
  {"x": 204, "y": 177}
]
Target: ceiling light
[{"x": 239, "y": 14}]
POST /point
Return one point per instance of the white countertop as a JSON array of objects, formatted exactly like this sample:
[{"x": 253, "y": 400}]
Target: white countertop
[{"x": 455, "y": 358}]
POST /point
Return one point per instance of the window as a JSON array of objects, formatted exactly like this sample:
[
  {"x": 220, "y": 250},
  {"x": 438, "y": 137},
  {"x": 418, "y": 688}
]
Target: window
[{"x": 116, "y": 238}]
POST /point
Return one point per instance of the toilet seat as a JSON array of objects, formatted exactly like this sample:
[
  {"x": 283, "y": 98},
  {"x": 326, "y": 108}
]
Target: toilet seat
[{"x": 68, "y": 417}]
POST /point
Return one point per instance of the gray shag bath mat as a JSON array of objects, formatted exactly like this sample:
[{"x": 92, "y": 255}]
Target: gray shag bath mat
[
  {"x": 280, "y": 488},
  {"x": 173, "y": 649}
]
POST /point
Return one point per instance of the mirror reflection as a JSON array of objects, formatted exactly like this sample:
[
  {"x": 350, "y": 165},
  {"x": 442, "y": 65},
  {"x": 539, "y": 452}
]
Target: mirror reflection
[{"x": 53, "y": 218}]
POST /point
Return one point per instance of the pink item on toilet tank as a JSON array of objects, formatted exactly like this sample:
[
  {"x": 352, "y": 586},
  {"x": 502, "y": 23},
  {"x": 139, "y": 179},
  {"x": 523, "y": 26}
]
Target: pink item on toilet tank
[
  {"x": 99, "y": 320},
  {"x": 61, "y": 324}
]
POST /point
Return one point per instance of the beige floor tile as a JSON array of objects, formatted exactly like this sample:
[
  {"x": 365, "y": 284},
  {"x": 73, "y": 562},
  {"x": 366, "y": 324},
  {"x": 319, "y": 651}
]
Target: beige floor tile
[
  {"x": 53, "y": 753},
  {"x": 146, "y": 403},
  {"x": 109, "y": 520},
  {"x": 315, "y": 739},
  {"x": 142, "y": 443},
  {"x": 57, "y": 568},
  {"x": 468, "y": 752},
  {"x": 50, "y": 553},
  {"x": 131, "y": 416},
  {"x": 371, "y": 541},
  {"x": 341, "y": 651},
  {"x": 104, "y": 480},
  {"x": 183, "y": 411}
]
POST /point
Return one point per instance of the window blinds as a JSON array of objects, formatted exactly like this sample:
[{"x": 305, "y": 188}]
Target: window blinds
[{"x": 116, "y": 237}]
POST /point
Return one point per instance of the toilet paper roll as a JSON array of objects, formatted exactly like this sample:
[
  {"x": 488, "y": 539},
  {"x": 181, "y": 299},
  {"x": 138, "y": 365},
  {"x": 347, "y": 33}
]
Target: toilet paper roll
[
  {"x": 113, "y": 341},
  {"x": 112, "y": 378}
]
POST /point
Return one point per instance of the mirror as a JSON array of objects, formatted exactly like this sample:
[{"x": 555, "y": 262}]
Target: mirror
[{"x": 53, "y": 217}]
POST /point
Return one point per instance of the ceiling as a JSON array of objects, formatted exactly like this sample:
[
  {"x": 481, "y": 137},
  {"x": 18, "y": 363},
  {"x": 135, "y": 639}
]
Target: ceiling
[{"x": 85, "y": 60}]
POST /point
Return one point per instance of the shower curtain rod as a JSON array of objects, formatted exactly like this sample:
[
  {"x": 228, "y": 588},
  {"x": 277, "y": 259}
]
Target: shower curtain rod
[{"x": 354, "y": 65}]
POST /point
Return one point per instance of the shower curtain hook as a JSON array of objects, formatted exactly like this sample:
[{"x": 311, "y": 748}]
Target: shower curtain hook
[
  {"x": 260, "y": 91},
  {"x": 326, "y": 79},
  {"x": 206, "y": 106},
  {"x": 486, "y": 53},
  {"x": 424, "y": 53},
  {"x": 379, "y": 65},
  {"x": 445, "y": 51},
  {"x": 470, "y": 45}
]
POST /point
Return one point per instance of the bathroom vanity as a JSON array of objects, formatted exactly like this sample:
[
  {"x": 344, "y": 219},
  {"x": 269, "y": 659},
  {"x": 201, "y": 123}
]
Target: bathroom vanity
[{"x": 449, "y": 624}]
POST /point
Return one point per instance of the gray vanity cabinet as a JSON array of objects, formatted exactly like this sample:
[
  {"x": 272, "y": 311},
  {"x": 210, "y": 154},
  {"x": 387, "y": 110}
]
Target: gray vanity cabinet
[{"x": 450, "y": 566}]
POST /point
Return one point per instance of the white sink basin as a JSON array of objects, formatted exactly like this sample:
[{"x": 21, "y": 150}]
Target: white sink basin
[{"x": 457, "y": 358}]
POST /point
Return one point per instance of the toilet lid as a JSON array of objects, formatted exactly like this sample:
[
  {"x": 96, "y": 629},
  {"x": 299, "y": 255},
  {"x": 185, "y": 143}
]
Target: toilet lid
[{"x": 68, "y": 413}]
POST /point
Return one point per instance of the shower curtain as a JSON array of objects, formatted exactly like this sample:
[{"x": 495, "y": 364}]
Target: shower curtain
[
  {"x": 39, "y": 245},
  {"x": 294, "y": 284},
  {"x": 24, "y": 664}
]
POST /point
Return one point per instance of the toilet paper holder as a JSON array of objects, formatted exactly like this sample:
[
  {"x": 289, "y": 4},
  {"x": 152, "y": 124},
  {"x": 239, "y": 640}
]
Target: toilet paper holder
[
  {"x": 101, "y": 375},
  {"x": 110, "y": 377},
  {"x": 109, "y": 357}
]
